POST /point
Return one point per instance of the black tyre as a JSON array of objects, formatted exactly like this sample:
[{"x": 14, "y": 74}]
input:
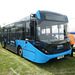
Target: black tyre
[
  {"x": 71, "y": 53},
  {"x": 20, "y": 52}
]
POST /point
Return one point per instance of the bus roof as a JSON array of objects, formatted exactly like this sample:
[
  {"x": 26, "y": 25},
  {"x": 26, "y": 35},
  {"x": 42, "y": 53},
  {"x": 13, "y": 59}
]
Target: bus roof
[
  {"x": 46, "y": 15},
  {"x": 52, "y": 16}
]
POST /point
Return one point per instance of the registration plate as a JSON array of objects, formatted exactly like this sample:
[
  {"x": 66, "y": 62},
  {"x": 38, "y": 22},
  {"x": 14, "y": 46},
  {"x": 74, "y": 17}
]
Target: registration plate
[{"x": 60, "y": 57}]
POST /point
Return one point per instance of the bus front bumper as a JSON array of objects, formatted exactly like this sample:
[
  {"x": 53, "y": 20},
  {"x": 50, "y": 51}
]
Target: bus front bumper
[{"x": 43, "y": 58}]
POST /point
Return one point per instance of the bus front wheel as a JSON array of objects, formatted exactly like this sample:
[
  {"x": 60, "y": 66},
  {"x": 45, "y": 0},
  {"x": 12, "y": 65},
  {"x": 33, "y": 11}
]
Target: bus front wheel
[{"x": 20, "y": 52}]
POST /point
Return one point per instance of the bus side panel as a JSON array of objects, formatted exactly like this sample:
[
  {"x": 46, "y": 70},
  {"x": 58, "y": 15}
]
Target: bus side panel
[
  {"x": 33, "y": 54},
  {"x": 29, "y": 55},
  {"x": 29, "y": 51},
  {"x": 27, "y": 48}
]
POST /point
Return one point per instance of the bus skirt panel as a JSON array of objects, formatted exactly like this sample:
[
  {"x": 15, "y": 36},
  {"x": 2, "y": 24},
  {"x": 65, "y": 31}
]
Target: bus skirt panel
[{"x": 43, "y": 58}]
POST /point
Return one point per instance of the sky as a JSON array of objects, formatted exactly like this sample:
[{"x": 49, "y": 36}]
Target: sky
[{"x": 14, "y": 10}]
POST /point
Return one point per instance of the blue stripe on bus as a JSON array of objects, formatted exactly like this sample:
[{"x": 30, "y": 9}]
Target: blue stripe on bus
[
  {"x": 13, "y": 44},
  {"x": 38, "y": 14}
]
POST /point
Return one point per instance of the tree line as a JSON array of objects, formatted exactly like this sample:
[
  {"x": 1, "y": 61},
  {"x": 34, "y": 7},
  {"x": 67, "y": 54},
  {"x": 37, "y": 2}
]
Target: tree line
[{"x": 0, "y": 32}]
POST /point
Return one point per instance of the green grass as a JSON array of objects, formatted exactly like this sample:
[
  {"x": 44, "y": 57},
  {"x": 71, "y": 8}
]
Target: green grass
[{"x": 22, "y": 66}]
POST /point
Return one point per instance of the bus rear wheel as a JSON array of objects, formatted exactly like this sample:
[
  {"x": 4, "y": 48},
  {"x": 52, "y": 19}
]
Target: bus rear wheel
[{"x": 20, "y": 52}]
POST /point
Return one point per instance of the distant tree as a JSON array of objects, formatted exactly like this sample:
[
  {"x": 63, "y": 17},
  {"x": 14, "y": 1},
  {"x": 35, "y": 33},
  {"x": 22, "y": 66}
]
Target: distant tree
[
  {"x": 0, "y": 33},
  {"x": 0, "y": 29}
]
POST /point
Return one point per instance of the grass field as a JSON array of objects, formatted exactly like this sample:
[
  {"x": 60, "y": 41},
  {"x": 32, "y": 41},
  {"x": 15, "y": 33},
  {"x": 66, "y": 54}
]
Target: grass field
[{"x": 12, "y": 64}]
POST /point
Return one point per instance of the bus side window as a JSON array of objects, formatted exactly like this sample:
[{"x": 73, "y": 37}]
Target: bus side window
[
  {"x": 12, "y": 32},
  {"x": 27, "y": 29},
  {"x": 19, "y": 31}
]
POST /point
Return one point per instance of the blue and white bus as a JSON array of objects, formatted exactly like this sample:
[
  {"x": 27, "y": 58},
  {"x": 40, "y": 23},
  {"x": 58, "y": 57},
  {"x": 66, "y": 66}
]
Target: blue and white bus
[{"x": 40, "y": 37}]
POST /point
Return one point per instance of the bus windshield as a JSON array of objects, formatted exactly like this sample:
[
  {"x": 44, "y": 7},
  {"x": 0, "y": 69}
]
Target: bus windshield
[{"x": 51, "y": 31}]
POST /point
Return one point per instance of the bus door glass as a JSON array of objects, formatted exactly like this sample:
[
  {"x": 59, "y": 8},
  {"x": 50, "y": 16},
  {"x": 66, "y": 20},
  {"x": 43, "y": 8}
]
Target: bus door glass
[
  {"x": 32, "y": 28},
  {"x": 27, "y": 30},
  {"x": 30, "y": 32}
]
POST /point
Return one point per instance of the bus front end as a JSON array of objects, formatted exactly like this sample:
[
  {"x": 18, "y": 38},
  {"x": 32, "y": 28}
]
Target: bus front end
[{"x": 52, "y": 35}]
